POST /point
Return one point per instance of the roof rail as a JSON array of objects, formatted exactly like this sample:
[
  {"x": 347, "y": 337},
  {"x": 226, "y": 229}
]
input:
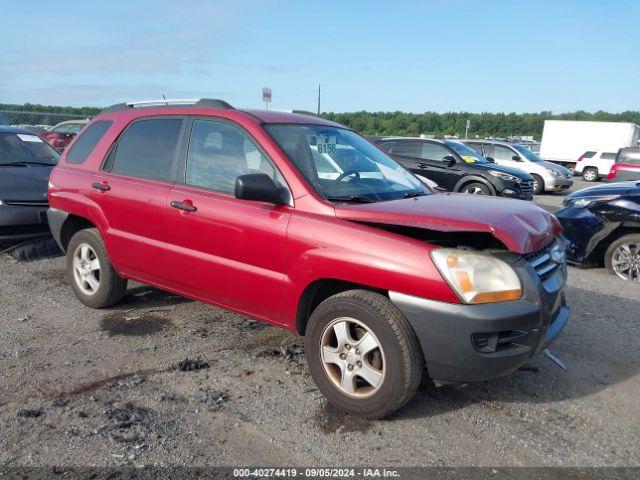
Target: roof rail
[{"x": 191, "y": 102}]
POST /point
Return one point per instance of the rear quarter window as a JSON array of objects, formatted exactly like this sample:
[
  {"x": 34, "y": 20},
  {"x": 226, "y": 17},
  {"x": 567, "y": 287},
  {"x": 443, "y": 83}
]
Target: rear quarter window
[
  {"x": 87, "y": 141},
  {"x": 147, "y": 149}
]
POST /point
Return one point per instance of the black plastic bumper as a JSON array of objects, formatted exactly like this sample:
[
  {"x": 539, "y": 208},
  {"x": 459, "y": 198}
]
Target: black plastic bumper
[
  {"x": 454, "y": 336},
  {"x": 56, "y": 220},
  {"x": 19, "y": 223}
]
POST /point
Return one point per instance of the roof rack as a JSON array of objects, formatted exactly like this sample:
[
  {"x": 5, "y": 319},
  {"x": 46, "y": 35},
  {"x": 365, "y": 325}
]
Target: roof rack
[{"x": 191, "y": 102}]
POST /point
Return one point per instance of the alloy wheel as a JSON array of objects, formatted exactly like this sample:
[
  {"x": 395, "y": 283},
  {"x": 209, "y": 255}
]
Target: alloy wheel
[
  {"x": 589, "y": 175},
  {"x": 474, "y": 191},
  {"x": 625, "y": 261},
  {"x": 352, "y": 357},
  {"x": 86, "y": 269}
]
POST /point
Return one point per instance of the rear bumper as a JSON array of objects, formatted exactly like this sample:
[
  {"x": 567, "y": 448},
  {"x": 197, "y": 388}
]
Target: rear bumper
[
  {"x": 468, "y": 343},
  {"x": 18, "y": 222}
]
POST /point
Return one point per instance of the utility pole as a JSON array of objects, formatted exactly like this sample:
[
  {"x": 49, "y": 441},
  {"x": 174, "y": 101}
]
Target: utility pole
[{"x": 318, "y": 99}]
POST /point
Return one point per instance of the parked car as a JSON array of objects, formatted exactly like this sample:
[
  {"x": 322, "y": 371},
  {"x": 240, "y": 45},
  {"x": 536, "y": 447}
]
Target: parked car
[
  {"x": 626, "y": 166},
  {"x": 383, "y": 277},
  {"x": 595, "y": 164},
  {"x": 547, "y": 176},
  {"x": 602, "y": 225},
  {"x": 457, "y": 168},
  {"x": 25, "y": 164},
  {"x": 61, "y": 135}
]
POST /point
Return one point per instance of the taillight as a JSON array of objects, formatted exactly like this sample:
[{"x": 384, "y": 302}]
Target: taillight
[
  {"x": 581, "y": 157},
  {"x": 612, "y": 172}
]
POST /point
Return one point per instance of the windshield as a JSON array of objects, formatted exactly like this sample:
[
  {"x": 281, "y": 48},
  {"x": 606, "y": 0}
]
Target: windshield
[
  {"x": 467, "y": 153},
  {"x": 528, "y": 153},
  {"x": 17, "y": 148},
  {"x": 343, "y": 166}
]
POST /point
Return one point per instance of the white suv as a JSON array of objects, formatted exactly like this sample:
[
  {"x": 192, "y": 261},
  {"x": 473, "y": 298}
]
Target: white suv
[
  {"x": 593, "y": 165},
  {"x": 547, "y": 176}
]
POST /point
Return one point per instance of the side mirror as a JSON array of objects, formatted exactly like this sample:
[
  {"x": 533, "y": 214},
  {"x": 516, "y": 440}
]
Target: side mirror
[
  {"x": 450, "y": 160},
  {"x": 516, "y": 158},
  {"x": 258, "y": 187},
  {"x": 491, "y": 160}
]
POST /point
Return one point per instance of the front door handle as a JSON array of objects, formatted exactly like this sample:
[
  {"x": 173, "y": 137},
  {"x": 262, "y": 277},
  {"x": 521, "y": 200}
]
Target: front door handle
[
  {"x": 101, "y": 186},
  {"x": 183, "y": 206}
]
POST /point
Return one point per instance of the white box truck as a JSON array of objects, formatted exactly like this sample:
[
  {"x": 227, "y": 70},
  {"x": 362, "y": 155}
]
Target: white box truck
[{"x": 564, "y": 141}]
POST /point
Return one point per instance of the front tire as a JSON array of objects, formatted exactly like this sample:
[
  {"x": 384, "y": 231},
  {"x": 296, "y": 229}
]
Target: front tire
[
  {"x": 538, "y": 184},
  {"x": 622, "y": 258},
  {"x": 363, "y": 354},
  {"x": 590, "y": 174},
  {"x": 93, "y": 278}
]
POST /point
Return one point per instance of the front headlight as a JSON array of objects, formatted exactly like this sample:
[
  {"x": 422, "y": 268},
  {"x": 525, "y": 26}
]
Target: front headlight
[
  {"x": 553, "y": 172},
  {"x": 503, "y": 176},
  {"x": 477, "y": 277},
  {"x": 586, "y": 201},
  {"x": 1, "y": 204}
]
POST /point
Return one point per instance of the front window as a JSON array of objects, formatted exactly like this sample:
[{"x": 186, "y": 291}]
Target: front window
[
  {"x": 467, "y": 153},
  {"x": 26, "y": 148},
  {"x": 342, "y": 166},
  {"x": 532, "y": 157}
]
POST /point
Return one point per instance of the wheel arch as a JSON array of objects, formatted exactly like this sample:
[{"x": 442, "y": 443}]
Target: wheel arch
[
  {"x": 474, "y": 179},
  {"x": 599, "y": 250},
  {"x": 72, "y": 225},
  {"x": 318, "y": 291}
]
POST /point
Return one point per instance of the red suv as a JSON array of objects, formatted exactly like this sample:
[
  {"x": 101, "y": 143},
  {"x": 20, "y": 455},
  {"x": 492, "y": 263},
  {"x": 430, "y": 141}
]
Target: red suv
[
  {"x": 627, "y": 165},
  {"x": 303, "y": 223}
]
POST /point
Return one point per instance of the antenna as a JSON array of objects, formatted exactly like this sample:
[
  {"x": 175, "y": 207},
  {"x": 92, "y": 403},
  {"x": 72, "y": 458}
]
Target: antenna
[{"x": 165, "y": 99}]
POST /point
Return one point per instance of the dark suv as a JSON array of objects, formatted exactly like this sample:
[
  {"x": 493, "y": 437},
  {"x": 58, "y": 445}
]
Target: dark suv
[
  {"x": 303, "y": 223},
  {"x": 456, "y": 167}
]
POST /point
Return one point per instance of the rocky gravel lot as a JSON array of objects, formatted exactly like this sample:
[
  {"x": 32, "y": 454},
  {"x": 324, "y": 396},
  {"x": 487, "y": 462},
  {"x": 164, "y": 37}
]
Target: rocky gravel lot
[{"x": 162, "y": 380}]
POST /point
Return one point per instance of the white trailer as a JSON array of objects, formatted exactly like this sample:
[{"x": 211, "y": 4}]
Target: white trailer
[{"x": 564, "y": 141}]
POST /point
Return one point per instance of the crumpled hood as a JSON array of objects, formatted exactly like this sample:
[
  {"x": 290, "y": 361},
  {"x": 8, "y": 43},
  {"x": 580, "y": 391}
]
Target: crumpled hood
[
  {"x": 520, "y": 225},
  {"x": 24, "y": 183}
]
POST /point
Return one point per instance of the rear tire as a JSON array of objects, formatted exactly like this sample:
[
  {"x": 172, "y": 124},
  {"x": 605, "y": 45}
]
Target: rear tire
[
  {"x": 93, "y": 278},
  {"x": 626, "y": 248},
  {"x": 363, "y": 354},
  {"x": 590, "y": 174},
  {"x": 538, "y": 184},
  {"x": 476, "y": 188}
]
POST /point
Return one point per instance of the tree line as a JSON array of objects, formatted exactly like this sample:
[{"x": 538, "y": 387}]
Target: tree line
[
  {"x": 411, "y": 124},
  {"x": 453, "y": 123}
]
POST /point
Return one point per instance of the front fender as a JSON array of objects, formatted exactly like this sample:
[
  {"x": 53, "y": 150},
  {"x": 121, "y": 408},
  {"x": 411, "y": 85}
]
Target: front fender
[{"x": 336, "y": 249}]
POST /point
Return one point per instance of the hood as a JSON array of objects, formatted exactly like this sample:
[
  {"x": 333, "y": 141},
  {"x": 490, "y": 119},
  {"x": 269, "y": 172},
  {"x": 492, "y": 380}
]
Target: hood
[
  {"x": 24, "y": 184},
  {"x": 554, "y": 166},
  {"x": 521, "y": 226},
  {"x": 618, "y": 188},
  {"x": 522, "y": 175}
]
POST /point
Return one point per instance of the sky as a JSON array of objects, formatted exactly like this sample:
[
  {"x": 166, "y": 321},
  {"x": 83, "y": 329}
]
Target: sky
[{"x": 413, "y": 56}]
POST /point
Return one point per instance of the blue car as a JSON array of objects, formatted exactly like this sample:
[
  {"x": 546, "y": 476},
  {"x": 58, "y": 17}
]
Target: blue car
[{"x": 602, "y": 226}]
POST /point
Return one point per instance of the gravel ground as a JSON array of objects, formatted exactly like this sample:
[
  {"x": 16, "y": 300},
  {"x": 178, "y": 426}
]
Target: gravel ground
[{"x": 162, "y": 380}]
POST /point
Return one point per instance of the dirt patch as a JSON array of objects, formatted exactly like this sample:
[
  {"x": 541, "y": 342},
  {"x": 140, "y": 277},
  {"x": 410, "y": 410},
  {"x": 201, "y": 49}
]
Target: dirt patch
[
  {"x": 133, "y": 325},
  {"x": 192, "y": 364},
  {"x": 330, "y": 420}
]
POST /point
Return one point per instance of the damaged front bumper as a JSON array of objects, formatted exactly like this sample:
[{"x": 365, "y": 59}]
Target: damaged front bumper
[{"x": 467, "y": 343}]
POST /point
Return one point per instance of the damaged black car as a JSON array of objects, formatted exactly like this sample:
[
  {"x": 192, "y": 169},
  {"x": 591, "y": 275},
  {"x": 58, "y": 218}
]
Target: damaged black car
[{"x": 602, "y": 226}]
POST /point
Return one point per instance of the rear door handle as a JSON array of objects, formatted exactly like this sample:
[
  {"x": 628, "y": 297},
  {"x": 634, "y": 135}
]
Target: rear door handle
[
  {"x": 101, "y": 186},
  {"x": 183, "y": 206}
]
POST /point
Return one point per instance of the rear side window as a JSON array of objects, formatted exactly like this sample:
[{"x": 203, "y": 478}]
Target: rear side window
[
  {"x": 608, "y": 156},
  {"x": 87, "y": 141},
  {"x": 407, "y": 149},
  {"x": 147, "y": 149},
  {"x": 629, "y": 155},
  {"x": 589, "y": 154}
]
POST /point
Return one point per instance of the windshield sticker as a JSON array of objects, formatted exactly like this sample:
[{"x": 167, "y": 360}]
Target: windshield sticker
[
  {"x": 326, "y": 144},
  {"x": 469, "y": 158},
  {"x": 29, "y": 138}
]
